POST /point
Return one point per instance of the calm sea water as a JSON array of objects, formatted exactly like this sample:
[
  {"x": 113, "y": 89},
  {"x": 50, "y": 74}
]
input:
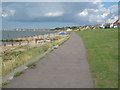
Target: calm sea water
[{"x": 8, "y": 35}]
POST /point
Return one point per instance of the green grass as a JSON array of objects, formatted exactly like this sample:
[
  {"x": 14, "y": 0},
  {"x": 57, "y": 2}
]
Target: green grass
[
  {"x": 4, "y": 84},
  {"x": 102, "y": 53},
  {"x": 15, "y": 58},
  {"x": 18, "y": 74},
  {"x": 32, "y": 65}
]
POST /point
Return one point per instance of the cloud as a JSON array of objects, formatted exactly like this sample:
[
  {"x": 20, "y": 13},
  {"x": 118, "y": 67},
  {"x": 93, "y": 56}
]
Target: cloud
[
  {"x": 5, "y": 15},
  {"x": 96, "y": 1},
  {"x": 53, "y": 14},
  {"x": 83, "y": 13},
  {"x": 0, "y": 9},
  {"x": 114, "y": 9},
  {"x": 8, "y": 13},
  {"x": 12, "y": 12},
  {"x": 113, "y": 19},
  {"x": 99, "y": 15},
  {"x": 104, "y": 15}
]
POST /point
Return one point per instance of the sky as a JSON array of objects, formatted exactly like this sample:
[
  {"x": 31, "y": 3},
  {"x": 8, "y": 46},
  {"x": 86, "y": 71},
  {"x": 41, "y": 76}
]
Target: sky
[{"x": 48, "y": 15}]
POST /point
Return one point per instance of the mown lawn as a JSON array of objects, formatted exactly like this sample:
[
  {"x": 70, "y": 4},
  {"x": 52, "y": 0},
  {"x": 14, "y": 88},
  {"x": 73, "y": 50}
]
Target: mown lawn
[{"x": 102, "y": 53}]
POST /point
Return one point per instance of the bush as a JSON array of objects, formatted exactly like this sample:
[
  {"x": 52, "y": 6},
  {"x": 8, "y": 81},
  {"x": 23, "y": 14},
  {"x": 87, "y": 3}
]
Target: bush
[
  {"x": 4, "y": 84},
  {"x": 32, "y": 65},
  {"x": 18, "y": 74}
]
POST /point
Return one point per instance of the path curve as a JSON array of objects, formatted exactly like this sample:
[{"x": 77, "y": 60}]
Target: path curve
[{"x": 65, "y": 67}]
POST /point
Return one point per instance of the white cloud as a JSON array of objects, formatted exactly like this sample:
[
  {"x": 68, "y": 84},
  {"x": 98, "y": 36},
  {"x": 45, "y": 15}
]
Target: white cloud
[
  {"x": 5, "y": 15},
  {"x": 12, "y": 12},
  {"x": 83, "y": 13},
  {"x": 53, "y": 14},
  {"x": 97, "y": 18},
  {"x": 0, "y": 9},
  {"x": 104, "y": 15},
  {"x": 100, "y": 14},
  {"x": 96, "y": 1},
  {"x": 113, "y": 19},
  {"x": 114, "y": 9}
]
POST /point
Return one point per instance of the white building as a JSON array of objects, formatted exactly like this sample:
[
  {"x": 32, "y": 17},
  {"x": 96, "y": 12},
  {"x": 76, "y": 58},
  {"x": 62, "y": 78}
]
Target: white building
[
  {"x": 116, "y": 24},
  {"x": 102, "y": 26},
  {"x": 69, "y": 29}
]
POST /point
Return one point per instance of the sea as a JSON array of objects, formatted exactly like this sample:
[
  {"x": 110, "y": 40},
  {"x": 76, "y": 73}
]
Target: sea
[{"x": 9, "y": 35}]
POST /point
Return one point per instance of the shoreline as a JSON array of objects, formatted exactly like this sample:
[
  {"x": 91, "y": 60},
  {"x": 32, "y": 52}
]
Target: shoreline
[
  {"x": 8, "y": 77},
  {"x": 26, "y": 41},
  {"x": 12, "y": 54}
]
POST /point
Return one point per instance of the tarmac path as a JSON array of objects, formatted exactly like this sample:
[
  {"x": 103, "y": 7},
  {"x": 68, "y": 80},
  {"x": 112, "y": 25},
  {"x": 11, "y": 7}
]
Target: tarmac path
[{"x": 65, "y": 67}]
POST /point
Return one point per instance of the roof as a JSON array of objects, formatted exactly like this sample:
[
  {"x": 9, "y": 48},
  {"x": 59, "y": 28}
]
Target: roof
[
  {"x": 40, "y": 39},
  {"x": 62, "y": 33},
  {"x": 117, "y": 21}
]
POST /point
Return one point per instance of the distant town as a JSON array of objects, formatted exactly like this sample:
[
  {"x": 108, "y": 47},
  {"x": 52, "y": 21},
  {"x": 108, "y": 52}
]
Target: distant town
[{"x": 115, "y": 24}]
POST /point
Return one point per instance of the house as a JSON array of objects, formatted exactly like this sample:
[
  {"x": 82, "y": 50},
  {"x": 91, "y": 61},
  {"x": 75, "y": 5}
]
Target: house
[
  {"x": 69, "y": 29},
  {"x": 87, "y": 27},
  {"x": 42, "y": 40},
  {"x": 106, "y": 25},
  {"x": 39, "y": 41},
  {"x": 102, "y": 26},
  {"x": 116, "y": 24}
]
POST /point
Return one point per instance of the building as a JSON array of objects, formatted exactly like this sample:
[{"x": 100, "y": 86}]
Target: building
[
  {"x": 62, "y": 33},
  {"x": 102, "y": 26},
  {"x": 116, "y": 24},
  {"x": 69, "y": 29}
]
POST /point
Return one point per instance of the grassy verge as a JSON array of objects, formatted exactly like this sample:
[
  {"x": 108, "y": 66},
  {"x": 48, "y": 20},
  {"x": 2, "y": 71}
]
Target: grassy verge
[
  {"x": 4, "y": 84},
  {"x": 18, "y": 74},
  {"x": 102, "y": 51},
  {"x": 20, "y": 56},
  {"x": 59, "y": 42},
  {"x": 32, "y": 65}
]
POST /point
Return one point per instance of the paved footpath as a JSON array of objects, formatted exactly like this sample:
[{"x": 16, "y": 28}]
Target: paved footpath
[{"x": 65, "y": 67}]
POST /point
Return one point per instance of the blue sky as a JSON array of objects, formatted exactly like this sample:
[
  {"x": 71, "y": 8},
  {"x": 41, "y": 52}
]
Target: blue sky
[
  {"x": 108, "y": 4},
  {"x": 46, "y": 15}
]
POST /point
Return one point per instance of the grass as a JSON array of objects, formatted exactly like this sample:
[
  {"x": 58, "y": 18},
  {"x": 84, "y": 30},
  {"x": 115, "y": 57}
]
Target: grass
[
  {"x": 102, "y": 53},
  {"x": 18, "y": 74},
  {"x": 16, "y": 58},
  {"x": 32, "y": 65},
  {"x": 4, "y": 84}
]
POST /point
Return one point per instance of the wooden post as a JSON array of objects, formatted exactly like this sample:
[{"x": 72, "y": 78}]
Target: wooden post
[
  {"x": 27, "y": 41},
  {"x": 4, "y": 45},
  {"x": 49, "y": 35},
  {"x": 36, "y": 41},
  {"x": 43, "y": 36},
  {"x": 19, "y": 43},
  {"x": 12, "y": 44}
]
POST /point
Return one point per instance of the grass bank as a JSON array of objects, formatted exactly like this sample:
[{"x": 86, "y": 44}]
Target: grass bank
[
  {"x": 21, "y": 55},
  {"x": 102, "y": 52}
]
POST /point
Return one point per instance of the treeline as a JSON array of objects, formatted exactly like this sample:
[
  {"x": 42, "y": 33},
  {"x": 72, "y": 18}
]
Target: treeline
[
  {"x": 12, "y": 40},
  {"x": 64, "y": 28}
]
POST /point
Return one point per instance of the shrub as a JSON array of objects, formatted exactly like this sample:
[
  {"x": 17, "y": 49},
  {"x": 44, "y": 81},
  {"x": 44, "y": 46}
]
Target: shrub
[
  {"x": 18, "y": 74},
  {"x": 4, "y": 84},
  {"x": 32, "y": 65}
]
